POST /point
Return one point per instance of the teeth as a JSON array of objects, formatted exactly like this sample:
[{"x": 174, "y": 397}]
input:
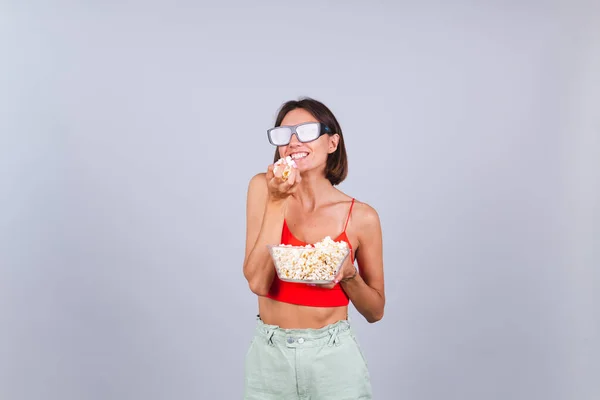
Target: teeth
[{"x": 299, "y": 155}]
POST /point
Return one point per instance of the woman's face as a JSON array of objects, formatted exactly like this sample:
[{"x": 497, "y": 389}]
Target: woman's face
[{"x": 310, "y": 155}]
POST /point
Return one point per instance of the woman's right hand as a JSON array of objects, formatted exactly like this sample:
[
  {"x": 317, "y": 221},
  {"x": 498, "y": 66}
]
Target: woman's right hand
[{"x": 279, "y": 187}]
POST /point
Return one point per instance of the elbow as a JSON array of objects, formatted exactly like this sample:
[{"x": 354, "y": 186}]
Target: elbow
[
  {"x": 256, "y": 283},
  {"x": 259, "y": 290},
  {"x": 375, "y": 317},
  {"x": 257, "y": 287},
  {"x": 376, "y": 313}
]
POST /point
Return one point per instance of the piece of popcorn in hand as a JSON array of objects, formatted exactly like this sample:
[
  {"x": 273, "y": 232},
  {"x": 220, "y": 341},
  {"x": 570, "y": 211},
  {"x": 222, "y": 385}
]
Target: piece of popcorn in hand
[{"x": 289, "y": 163}]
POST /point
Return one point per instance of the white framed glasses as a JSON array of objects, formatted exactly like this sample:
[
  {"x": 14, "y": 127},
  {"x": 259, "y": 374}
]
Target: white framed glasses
[{"x": 306, "y": 132}]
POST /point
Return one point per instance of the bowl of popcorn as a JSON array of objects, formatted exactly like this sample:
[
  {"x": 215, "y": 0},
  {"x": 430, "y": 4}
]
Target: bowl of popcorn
[{"x": 313, "y": 263}]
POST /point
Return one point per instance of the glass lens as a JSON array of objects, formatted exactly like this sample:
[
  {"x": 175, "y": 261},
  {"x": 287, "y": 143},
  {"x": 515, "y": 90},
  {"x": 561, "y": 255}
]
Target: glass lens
[
  {"x": 280, "y": 136},
  {"x": 308, "y": 132}
]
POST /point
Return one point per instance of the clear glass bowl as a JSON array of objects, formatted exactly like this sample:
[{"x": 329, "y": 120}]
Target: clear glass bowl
[{"x": 307, "y": 264}]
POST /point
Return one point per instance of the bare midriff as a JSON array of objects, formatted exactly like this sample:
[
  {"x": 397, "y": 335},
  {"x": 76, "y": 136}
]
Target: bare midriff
[{"x": 293, "y": 316}]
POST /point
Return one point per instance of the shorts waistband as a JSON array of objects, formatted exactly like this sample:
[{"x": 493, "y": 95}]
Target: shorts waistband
[{"x": 308, "y": 337}]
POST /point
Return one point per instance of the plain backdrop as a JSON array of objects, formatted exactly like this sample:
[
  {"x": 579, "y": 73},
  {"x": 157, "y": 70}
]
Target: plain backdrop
[{"x": 129, "y": 132}]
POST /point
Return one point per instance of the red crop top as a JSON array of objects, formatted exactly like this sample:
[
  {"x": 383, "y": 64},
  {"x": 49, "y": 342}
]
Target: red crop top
[{"x": 301, "y": 293}]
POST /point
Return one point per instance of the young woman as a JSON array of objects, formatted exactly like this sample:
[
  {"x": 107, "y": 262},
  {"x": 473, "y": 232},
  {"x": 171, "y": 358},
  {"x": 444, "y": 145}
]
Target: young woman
[{"x": 304, "y": 346}]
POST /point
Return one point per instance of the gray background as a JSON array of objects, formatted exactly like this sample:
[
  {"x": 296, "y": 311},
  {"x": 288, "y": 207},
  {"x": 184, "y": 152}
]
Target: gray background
[{"x": 129, "y": 131}]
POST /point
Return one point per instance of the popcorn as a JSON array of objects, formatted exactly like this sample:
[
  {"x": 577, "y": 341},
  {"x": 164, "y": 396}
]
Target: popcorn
[
  {"x": 289, "y": 163},
  {"x": 318, "y": 262}
]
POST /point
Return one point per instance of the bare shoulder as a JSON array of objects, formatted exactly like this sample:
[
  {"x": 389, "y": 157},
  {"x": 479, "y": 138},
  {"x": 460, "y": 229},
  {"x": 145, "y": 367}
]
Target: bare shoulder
[
  {"x": 366, "y": 217},
  {"x": 257, "y": 184},
  {"x": 259, "y": 179},
  {"x": 257, "y": 195}
]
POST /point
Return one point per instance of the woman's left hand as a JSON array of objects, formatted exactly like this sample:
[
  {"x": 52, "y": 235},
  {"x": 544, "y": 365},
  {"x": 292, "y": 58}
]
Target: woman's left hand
[{"x": 348, "y": 270}]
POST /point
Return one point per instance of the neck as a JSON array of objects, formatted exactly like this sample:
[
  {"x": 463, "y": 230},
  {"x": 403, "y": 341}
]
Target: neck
[{"x": 311, "y": 190}]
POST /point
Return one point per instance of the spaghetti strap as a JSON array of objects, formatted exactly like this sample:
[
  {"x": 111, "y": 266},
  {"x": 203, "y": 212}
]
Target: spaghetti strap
[{"x": 349, "y": 212}]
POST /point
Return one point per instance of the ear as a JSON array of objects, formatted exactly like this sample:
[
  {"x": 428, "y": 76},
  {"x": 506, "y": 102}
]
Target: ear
[{"x": 333, "y": 143}]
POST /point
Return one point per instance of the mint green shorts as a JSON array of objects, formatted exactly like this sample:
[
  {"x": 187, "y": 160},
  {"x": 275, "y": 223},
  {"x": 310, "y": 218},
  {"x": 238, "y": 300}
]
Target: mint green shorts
[{"x": 315, "y": 364}]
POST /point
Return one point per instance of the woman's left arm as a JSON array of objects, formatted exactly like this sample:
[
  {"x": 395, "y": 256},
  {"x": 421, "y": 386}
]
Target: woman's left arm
[{"x": 366, "y": 290}]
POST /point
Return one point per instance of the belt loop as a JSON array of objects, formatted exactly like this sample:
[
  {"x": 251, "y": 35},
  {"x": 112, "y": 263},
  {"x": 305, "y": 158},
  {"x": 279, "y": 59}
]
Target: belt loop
[
  {"x": 333, "y": 339},
  {"x": 270, "y": 333}
]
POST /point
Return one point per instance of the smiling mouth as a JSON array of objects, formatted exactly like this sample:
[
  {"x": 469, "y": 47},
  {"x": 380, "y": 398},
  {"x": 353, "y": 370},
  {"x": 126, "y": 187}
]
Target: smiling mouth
[{"x": 298, "y": 156}]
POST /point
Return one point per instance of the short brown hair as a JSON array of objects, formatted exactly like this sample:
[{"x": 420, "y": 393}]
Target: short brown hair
[{"x": 336, "y": 169}]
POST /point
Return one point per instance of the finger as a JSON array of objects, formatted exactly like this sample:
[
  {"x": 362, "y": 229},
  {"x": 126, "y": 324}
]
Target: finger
[
  {"x": 278, "y": 165},
  {"x": 339, "y": 276},
  {"x": 292, "y": 177},
  {"x": 270, "y": 173},
  {"x": 327, "y": 285},
  {"x": 292, "y": 184},
  {"x": 285, "y": 187},
  {"x": 294, "y": 174}
]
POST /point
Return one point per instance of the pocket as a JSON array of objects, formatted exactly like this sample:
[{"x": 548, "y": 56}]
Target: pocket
[
  {"x": 250, "y": 361},
  {"x": 250, "y": 347},
  {"x": 360, "y": 351}
]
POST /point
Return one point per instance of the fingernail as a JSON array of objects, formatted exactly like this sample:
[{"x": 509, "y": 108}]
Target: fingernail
[{"x": 336, "y": 281}]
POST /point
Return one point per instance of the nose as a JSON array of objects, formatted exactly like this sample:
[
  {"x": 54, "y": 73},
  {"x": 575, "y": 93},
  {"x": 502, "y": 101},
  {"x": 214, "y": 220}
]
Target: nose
[{"x": 294, "y": 140}]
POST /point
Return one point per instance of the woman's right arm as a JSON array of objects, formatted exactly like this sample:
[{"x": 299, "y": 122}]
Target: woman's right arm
[{"x": 264, "y": 220}]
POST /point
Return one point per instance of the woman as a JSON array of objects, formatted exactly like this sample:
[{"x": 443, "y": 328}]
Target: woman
[{"x": 304, "y": 346}]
